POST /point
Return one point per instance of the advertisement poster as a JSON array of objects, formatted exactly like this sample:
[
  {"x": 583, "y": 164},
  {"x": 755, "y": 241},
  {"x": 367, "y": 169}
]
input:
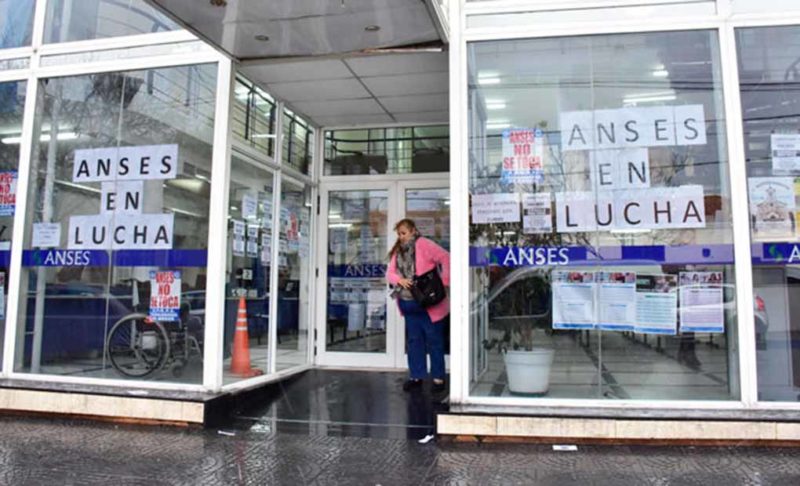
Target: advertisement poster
[
  {"x": 8, "y": 192},
  {"x": 616, "y": 301},
  {"x": 657, "y": 304},
  {"x": 165, "y": 295},
  {"x": 523, "y": 151},
  {"x": 495, "y": 208},
  {"x": 785, "y": 151},
  {"x": 772, "y": 208},
  {"x": 573, "y": 300},
  {"x": 537, "y": 214},
  {"x": 701, "y": 303}
]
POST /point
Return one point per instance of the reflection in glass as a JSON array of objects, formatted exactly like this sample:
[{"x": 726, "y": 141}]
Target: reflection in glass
[
  {"x": 769, "y": 76},
  {"x": 106, "y": 227},
  {"x": 16, "y": 23},
  {"x": 249, "y": 256},
  {"x": 601, "y": 243},
  {"x": 297, "y": 142},
  {"x": 357, "y": 249},
  {"x": 69, "y": 20},
  {"x": 293, "y": 276}
]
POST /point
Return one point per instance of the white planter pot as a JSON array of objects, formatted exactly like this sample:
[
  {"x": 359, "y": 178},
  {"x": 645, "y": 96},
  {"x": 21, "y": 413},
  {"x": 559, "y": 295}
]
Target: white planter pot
[{"x": 529, "y": 371}]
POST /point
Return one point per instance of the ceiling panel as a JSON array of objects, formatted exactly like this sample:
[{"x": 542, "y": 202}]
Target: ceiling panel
[
  {"x": 413, "y": 103},
  {"x": 322, "y": 90},
  {"x": 398, "y": 85},
  {"x": 316, "y": 109},
  {"x": 304, "y": 27},
  {"x": 352, "y": 120},
  {"x": 423, "y": 117},
  {"x": 299, "y": 71},
  {"x": 422, "y": 62}
]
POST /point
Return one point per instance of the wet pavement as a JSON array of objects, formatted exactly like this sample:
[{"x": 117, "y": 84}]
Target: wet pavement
[{"x": 313, "y": 434}]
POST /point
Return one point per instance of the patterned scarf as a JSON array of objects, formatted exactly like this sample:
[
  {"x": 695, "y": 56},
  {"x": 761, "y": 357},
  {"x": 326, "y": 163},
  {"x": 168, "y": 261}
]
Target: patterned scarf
[{"x": 406, "y": 262}]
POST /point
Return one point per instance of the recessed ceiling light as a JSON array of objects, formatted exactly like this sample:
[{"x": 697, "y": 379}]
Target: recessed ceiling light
[
  {"x": 261, "y": 37},
  {"x": 372, "y": 28}
]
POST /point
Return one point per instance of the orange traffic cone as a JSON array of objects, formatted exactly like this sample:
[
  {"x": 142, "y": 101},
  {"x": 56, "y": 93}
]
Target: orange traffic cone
[{"x": 240, "y": 362}]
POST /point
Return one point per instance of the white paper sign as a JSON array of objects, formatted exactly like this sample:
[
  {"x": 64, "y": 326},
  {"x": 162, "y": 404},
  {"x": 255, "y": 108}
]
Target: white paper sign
[
  {"x": 654, "y": 208},
  {"x": 46, "y": 235},
  {"x": 252, "y": 232},
  {"x": 125, "y": 163},
  {"x": 238, "y": 228},
  {"x": 772, "y": 207},
  {"x": 701, "y": 301},
  {"x": 252, "y": 249},
  {"x": 249, "y": 206},
  {"x": 121, "y": 232},
  {"x": 616, "y": 300},
  {"x": 122, "y": 197},
  {"x": 495, "y": 208},
  {"x": 785, "y": 149},
  {"x": 633, "y": 127},
  {"x": 238, "y": 245},
  {"x": 657, "y": 304},
  {"x": 165, "y": 295},
  {"x": 573, "y": 300},
  {"x": 537, "y": 213},
  {"x": 620, "y": 169}
]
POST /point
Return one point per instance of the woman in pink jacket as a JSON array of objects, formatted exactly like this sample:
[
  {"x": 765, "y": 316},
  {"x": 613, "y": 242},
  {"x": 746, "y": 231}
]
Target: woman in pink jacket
[{"x": 414, "y": 255}]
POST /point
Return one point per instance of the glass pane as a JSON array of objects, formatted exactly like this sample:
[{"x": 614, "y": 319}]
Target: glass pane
[
  {"x": 388, "y": 151},
  {"x": 769, "y": 73},
  {"x": 248, "y": 270},
  {"x": 601, "y": 238},
  {"x": 115, "y": 253},
  {"x": 357, "y": 248},
  {"x": 68, "y": 20},
  {"x": 293, "y": 276},
  {"x": 16, "y": 22},
  {"x": 297, "y": 142},
  {"x": 430, "y": 210},
  {"x": 12, "y": 103}
]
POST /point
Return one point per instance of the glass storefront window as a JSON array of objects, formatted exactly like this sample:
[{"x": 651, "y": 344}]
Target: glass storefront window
[
  {"x": 404, "y": 150},
  {"x": 297, "y": 142},
  {"x": 293, "y": 276},
  {"x": 16, "y": 23},
  {"x": 249, "y": 255},
  {"x": 69, "y": 20},
  {"x": 253, "y": 117},
  {"x": 768, "y": 76},
  {"x": 115, "y": 248},
  {"x": 12, "y": 102},
  {"x": 601, "y": 245}
]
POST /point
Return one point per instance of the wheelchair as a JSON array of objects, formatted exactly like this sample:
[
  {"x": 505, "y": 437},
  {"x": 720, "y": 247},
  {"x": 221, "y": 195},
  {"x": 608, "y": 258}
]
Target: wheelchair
[{"x": 138, "y": 346}]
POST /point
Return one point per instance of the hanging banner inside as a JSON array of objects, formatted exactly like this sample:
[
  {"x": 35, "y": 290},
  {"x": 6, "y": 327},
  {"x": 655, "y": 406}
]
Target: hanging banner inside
[
  {"x": 125, "y": 163},
  {"x": 495, "y": 208},
  {"x": 8, "y": 192},
  {"x": 616, "y": 300},
  {"x": 654, "y": 208},
  {"x": 701, "y": 302},
  {"x": 573, "y": 300},
  {"x": 657, "y": 304},
  {"x": 633, "y": 127},
  {"x": 772, "y": 208},
  {"x": 165, "y": 295},
  {"x": 523, "y": 152}
]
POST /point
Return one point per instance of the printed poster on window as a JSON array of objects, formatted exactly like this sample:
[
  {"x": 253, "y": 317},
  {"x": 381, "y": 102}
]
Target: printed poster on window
[
  {"x": 616, "y": 300},
  {"x": 495, "y": 208},
  {"x": 523, "y": 151},
  {"x": 785, "y": 151},
  {"x": 772, "y": 208},
  {"x": 573, "y": 300},
  {"x": 537, "y": 214},
  {"x": 8, "y": 192},
  {"x": 165, "y": 295},
  {"x": 657, "y": 304},
  {"x": 701, "y": 302}
]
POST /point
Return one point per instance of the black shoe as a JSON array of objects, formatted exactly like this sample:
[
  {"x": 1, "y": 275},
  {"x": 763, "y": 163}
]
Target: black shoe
[
  {"x": 411, "y": 384},
  {"x": 438, "y": 387}
]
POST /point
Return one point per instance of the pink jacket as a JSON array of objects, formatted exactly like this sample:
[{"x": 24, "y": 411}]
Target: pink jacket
[{"x": 429, "y": 255}]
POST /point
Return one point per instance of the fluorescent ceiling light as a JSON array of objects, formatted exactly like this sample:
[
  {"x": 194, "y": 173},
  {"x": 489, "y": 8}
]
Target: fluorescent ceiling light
[
  {"x": 340, "y": 225},
  {"x": 44, "y": 138},
  {"x": 649, "y": 99},
  {"x": 497, "y": 124},
  {"x": 660, "y": 73},
  {"x": 264, "y": 135},
  {"x": 485, "y": 81},
  {"x": 495, "y": 104}
]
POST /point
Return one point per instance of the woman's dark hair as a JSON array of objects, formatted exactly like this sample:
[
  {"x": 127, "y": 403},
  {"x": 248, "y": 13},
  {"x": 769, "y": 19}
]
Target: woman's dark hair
[{"x": 410, "y": 226}]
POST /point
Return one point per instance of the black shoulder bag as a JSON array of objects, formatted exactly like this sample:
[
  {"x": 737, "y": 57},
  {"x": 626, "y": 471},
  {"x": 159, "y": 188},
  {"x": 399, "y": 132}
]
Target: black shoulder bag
[{"x": 428, "y": 289}]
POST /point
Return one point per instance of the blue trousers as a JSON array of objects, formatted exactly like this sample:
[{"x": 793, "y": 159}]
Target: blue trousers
[{"x": 423, "y": 337}]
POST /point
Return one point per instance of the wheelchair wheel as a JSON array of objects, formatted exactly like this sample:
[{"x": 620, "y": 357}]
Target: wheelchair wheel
[{"x": 137, "y": 347}]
